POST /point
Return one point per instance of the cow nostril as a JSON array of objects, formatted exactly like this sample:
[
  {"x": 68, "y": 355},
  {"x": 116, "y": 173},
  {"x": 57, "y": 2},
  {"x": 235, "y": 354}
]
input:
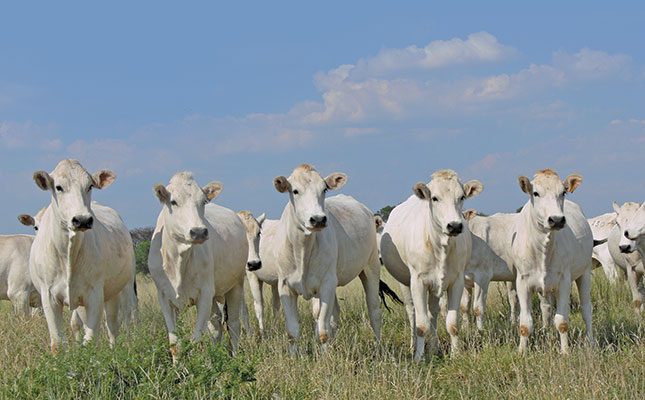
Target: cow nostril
[
  {"x": 90, "y": 222},
  {"x": 75, "y": 222}
]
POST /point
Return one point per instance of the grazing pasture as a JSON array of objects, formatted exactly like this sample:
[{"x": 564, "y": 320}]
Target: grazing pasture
[{"x": 489, "y": 365}]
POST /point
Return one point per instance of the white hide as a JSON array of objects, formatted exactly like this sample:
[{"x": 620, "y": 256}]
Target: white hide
[
  {"x": 197, "y": 257},
  {"x": 550, "y": 252},
  {"x": 82, "y": 263},
  {"x": 600, "y": 227},
  {"x": 15, "y": 281},
  {"x": 421, "y": 250}
]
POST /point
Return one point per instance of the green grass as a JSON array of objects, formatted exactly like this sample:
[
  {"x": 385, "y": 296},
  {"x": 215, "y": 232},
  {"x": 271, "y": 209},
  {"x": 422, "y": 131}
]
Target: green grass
[{"x": 489, "y": 365}]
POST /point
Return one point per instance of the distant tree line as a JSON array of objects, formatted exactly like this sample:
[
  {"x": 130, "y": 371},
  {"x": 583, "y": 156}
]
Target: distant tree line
[{"x": 141, "y": 241}]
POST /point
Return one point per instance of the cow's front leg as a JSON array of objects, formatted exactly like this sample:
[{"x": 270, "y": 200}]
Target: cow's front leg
[
  {"x": 289, "y": 301},
  {"x": 409, "y": 309},
  {"x": 53, "y": 310},
  {"x": 511, "y": 292},
  {"x": 561, "y": 319},
  {"x": 584, "y": 290},
  {"x": 419, "y": 291},
  {"x": 327, "y": 298},
  {"x": 170, "y": 316},
  {"x": 112, "y": 318},
  {"x": 258, "y": 301},
  {"x": 93, "y": 313},
  {"x": 204, "y": 309},
  {"x": 234, "y": 301},
  {"x": 452, "y": 318},
  {"x": 526, "y": 320},
  {"x": 480, "y": 293}
]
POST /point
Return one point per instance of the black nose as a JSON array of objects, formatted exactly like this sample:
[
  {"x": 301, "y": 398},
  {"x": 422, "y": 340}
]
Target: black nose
[
  {"x": 254, "y": 265},
  {"x": 199, "y": 233},
  {"x": 557, "y": 222},
  {"x": 83, "y": 222},
  {"x": 455, "y": 228},
  {"x": 318, "y": 221},
  {"x": 625, "y": 248}
]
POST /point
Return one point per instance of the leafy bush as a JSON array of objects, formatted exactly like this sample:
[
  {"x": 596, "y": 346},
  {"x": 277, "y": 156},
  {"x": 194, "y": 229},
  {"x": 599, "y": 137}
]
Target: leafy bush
[{"x": 141, "y": 257}]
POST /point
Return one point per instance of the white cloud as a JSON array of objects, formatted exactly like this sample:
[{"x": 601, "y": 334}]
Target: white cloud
[
  {"x": 15, "y": 135},
  {"x": 591, "y": 64}
]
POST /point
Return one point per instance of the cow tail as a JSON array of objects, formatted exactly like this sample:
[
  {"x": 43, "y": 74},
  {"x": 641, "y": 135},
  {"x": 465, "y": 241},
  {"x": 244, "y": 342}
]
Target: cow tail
[{"x": 384, "y": 289}]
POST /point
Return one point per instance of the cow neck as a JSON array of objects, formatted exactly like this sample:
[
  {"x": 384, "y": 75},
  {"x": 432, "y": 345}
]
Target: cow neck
[
  {"x": 67, "y": 244},
  {"x": 176, "y": 259},
  {"x": 441, "y": 246},
  {"x": 541, "y": 241},
  {"x": 302, "y": 244}
]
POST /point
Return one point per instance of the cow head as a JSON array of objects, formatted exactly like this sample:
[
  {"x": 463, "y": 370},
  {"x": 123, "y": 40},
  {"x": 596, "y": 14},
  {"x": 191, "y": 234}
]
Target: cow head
[
  {"x": 307, "y": 189},
  {"x": 34, "y": 221},
  {"x": 627, "y": 221},
  {"x": 184, "y": 202},
  {"x": 71, "y": 188},
  {"x": 445, "y": 196},
  {"x": 547, "y": 193},
  {"x": 253, "y": 229}
]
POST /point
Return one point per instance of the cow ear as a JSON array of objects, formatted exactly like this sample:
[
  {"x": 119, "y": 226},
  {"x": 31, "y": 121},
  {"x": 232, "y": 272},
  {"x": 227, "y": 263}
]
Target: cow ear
[
  {"x": 421, "y": 190},
  {"x": 469, "y": 214},
  {"x": 572, "y": 182},
  {"x": 103, "y": 178},
  {"x": 525, "y": 184},
  {"x": 378, "y": 222},
  {"x": 336, "y": 180},
  {"x": 281, "y": 184},
  {"x": 261, "y": 219},
  {"x": 213, "y": 190},
  {"x": 616, "y": 207},
  {"x": 26, "y": 220},
  {"x": 43, "y": 180},
  {"x": 473, "y": 188},
  {"x": 161, "y": 192}
]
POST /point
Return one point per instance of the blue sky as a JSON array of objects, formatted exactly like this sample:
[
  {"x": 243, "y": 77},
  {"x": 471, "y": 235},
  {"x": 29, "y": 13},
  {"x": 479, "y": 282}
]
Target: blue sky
[{"x": 387, "y": 93}]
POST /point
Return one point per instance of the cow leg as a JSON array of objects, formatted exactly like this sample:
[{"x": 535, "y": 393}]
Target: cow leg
[
  {"x": 526, "y": 320},
  {"x": 275, "y": 297},
  {"x": 464, "y": 305},
  {"x": 546, "y": 306},
  {"x": 419, "y": 292},
  {"x": 315, "y": 312},
  {"x": 170, "y": 316},
  {"x": 511, "y": 292},
  {"x": 233, "y": 304},
  {"x": 244, "y": 312},
  {"x": 561, "y": 319},
  {"x": 20, "y": 302},
  {"x": 76, "y": 322},
  {"x": 335, "y": 315},
  {"x": 327, "y": 297},
  {"x": 93, "y": 313},
  {"x": 289, "y": 302},
  {"x": 584, "y": 291},
  {"x": 258, "y": 302},
  {"x": 409, "y": 309},
  {"x": 452, "y": 319},
  {"x": 634, "y": 278},
  {"x": 434, "y": 311},
  {"x": 479, "y": 301},
  {"x": 112, "y": 318},
  {"x": 370, "y": 278},
  {"x": 53, "y": 310},
  {"x": 214, "y": 324},
  {"x": 204, "y": 310}
]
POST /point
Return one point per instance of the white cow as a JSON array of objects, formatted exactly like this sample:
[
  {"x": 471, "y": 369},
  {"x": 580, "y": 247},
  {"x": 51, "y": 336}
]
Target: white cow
[
  {"x": 15, "y": 281},
  {"x": 197, "y": 257},
  {"x": 600, "y": 227},
  {"x": 424, "y": 249},
  {"x": 321, "y": 244},
  {"x": 128, "y": 303},
  {"x": 486, "y": 263},
  {"x": 82, "y": 254},
  {"x": 552, "y": 246},
  {"x": 626, "y": 248}
]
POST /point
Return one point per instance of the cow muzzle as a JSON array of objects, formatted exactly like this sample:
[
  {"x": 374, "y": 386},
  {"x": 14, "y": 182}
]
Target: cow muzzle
[
  {"x": 556, "y": 223},
  {"x": 254, "y": 265},
  {"x": 318, "y": 223},
  {"x": 82, "y": 222},
  {"x": 198, "y": 235},
  {"x": 454, "y": 228},
  {"x": 625, "y": 248}
]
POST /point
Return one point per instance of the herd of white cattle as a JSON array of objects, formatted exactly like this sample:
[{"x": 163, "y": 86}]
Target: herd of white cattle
[{"x": 82, "y": 255}]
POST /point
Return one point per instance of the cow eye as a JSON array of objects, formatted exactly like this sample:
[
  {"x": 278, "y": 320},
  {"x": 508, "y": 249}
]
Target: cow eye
[
  {"x": 295, "y": 192},
  {"x": 434, "y": 198},
  {"x": 536, "y": 194},
  {"x": 462, "y": 198},
  {"x": 35, "y": 228},
  {"x": 564, "y": 193},
  {"x": 90, "y": 188},
  {"x": 173, "y": 202},
  {"x": 325, "y": 191},
  {"x": 59, "y": 188}
]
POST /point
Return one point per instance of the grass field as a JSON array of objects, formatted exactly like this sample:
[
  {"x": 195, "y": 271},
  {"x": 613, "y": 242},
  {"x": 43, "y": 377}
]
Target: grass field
[{"x": 489, "y": 365}]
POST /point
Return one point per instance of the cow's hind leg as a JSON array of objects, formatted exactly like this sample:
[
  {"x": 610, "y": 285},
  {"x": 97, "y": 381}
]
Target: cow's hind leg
[
  {"x": 409, "y": 309},
  {"x": 233, "y": 305},
  {"x": 112, "y": 318},
  {"x": 584, "y": 291},
  {"x": 370, "y": 278}
]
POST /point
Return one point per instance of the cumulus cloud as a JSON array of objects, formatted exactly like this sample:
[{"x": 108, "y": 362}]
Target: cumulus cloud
[{"x": 15, "y": 135}]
